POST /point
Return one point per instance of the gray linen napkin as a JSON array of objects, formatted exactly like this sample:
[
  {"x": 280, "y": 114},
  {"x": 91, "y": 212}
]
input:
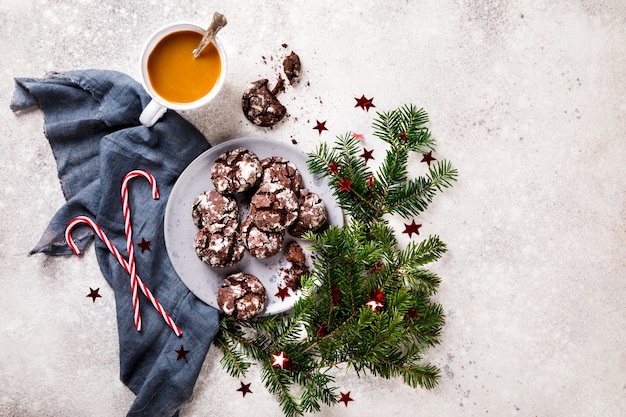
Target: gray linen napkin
[{"x": 91, "y": 122}]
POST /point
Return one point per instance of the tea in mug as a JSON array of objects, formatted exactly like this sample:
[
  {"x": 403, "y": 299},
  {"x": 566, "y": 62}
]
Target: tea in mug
[{"x": 176, "y": 75}]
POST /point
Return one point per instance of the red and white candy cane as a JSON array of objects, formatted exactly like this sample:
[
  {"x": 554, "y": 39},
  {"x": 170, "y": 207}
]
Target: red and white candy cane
[
  {"x": 130, "y": 247},
  {"x": 121, "y": 260}
]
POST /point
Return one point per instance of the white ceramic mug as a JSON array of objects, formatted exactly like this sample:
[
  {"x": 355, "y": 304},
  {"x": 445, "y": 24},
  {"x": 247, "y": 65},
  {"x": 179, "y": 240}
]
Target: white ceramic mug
[{"x": 159, "y": 105}]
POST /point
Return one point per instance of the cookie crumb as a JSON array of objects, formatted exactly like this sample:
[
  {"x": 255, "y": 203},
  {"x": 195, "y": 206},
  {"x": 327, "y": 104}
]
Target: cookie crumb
[{"x": 291, "y": 66}]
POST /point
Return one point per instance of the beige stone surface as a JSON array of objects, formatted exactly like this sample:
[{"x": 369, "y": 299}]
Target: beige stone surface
[{"x": 527, "y": 98}]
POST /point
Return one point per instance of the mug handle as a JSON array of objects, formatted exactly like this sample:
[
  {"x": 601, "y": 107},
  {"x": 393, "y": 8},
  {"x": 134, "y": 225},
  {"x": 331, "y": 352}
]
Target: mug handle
[{"x": 152, "y": 113}]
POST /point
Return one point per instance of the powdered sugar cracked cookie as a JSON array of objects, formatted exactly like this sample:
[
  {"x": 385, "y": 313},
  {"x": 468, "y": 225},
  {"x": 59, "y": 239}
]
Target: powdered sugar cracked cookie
[
  {"x": 219, "y": 246},
  {"x": 211, "y": 207},
  {"x": 312, "y": 214},
  {"x": 273, "y": 207},
  {"x": 242, "y": 296},
  {"x": 279, "y": 169},
  {"x": 235, "y": 171},
  {"x": 260, "y": 244}
]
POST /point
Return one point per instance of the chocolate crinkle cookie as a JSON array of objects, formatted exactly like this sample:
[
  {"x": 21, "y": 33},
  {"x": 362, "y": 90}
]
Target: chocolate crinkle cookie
[
  {"x": 219, "y": 246},
  {"x": 211, "y": 208},
  {"x": 273, "y": 207},
  {"x": 242, "y": 296},
  {"x": 280, "y": 170},
  {"x": 260, "y": 244},
  {"x": 235, "y": 171},
  {"x": 260, "y": 104},
  {"x": 312, "y": 214}
]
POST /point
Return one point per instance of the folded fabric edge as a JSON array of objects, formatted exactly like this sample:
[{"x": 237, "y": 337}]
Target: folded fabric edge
[
  {"x": 22, "y": 99},
  {"x": 50, "y": 245}
]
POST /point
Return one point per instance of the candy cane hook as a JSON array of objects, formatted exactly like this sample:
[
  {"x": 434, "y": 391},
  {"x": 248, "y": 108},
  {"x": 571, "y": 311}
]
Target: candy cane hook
[
  {"x": 130, "y": 247},
  {"x": 122, "y": 261}
]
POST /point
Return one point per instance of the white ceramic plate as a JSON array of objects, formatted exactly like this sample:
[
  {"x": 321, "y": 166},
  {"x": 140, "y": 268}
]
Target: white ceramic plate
[{"x": 204, "y": 280}]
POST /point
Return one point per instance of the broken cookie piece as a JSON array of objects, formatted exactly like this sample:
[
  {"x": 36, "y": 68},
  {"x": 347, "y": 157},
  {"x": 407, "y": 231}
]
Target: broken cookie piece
[
  {"x": 291, "y": 66},
  {"x": 298, "y": 268},
  {"x": 260, "y": 104}
]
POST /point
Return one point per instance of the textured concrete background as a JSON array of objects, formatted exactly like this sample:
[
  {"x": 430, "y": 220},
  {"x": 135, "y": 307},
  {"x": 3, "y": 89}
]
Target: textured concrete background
[{"x": 528, "y": 100}]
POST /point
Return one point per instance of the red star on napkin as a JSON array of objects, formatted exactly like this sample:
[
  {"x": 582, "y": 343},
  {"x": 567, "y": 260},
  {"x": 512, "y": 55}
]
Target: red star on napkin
[
  {"x": 282, "y": 293},
  {"x": 182, "y": 353},
  {"x": 364, "y": 103},
  {"x": 320, "y": 126},
  {"x": 367, "y": 155},
  {"x": 412, "y": 228},
  {"x": 245, "y": 388},
  {"x": 345, "y": 398},
  {"x": 144, "y": 245},
  {"x": 428, "y": 158},
  {"x": 94, "y": 294}
]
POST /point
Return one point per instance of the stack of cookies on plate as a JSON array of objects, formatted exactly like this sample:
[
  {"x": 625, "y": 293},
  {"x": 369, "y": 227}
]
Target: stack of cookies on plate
[{"x": 278, "y": 204}]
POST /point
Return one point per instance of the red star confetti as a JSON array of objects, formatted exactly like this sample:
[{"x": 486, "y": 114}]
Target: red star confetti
[
  {"x": 282, "y": 293},
  {"x": 94, "y": 294},
  {"x": 412, "y": 313},
  {"x": 345, "y": 398},
  {"x": 334, "y": 168},
  {"x": 182, "y": 353},
  {"x": 403, "y": 136},
  {"x": 321, "y": 330},
  {"x": 357, "y": 135},
  {"x": 412, "y": 228},
  {"x": 245, "y": 388},
  {"x": 344, "y": 184},
  {"x": 280, "y": 360},
  {"x": 334, "y": 295},
  {"x": 367, "y": 155},
  {"x": 144, "y": 245},
  {"x": 428, "y": 158},
  {"x": 370, "y": 180},
  {"x": 320, "y": 126},
  {"x": 364, "y": 103},
  {"x": 378, "y": 266}
]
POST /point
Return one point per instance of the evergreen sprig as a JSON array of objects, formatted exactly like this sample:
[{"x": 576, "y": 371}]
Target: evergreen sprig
[{"x": 366, "y": 304}]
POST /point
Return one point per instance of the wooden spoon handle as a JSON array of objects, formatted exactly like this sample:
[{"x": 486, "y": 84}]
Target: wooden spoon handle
[{"x": 219, "y": 21}]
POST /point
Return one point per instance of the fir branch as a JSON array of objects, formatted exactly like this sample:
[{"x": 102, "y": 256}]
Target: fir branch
[
  {"x": 317, "y": 387},
  {"x": 442, "y": 174},
  {"x": 290, "y": 328},
  {"x": 232, "y": 360},
  {"x": 278, "y": 383},
  {"x": 428, "y": 325},
  {"x": 330, "y": 324},
  {"x": 424, "y": 252},
  {"x": 413, "y": 196},
  {"x": 421, "y": 280},
  {"x": 412, "y": 374}
]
